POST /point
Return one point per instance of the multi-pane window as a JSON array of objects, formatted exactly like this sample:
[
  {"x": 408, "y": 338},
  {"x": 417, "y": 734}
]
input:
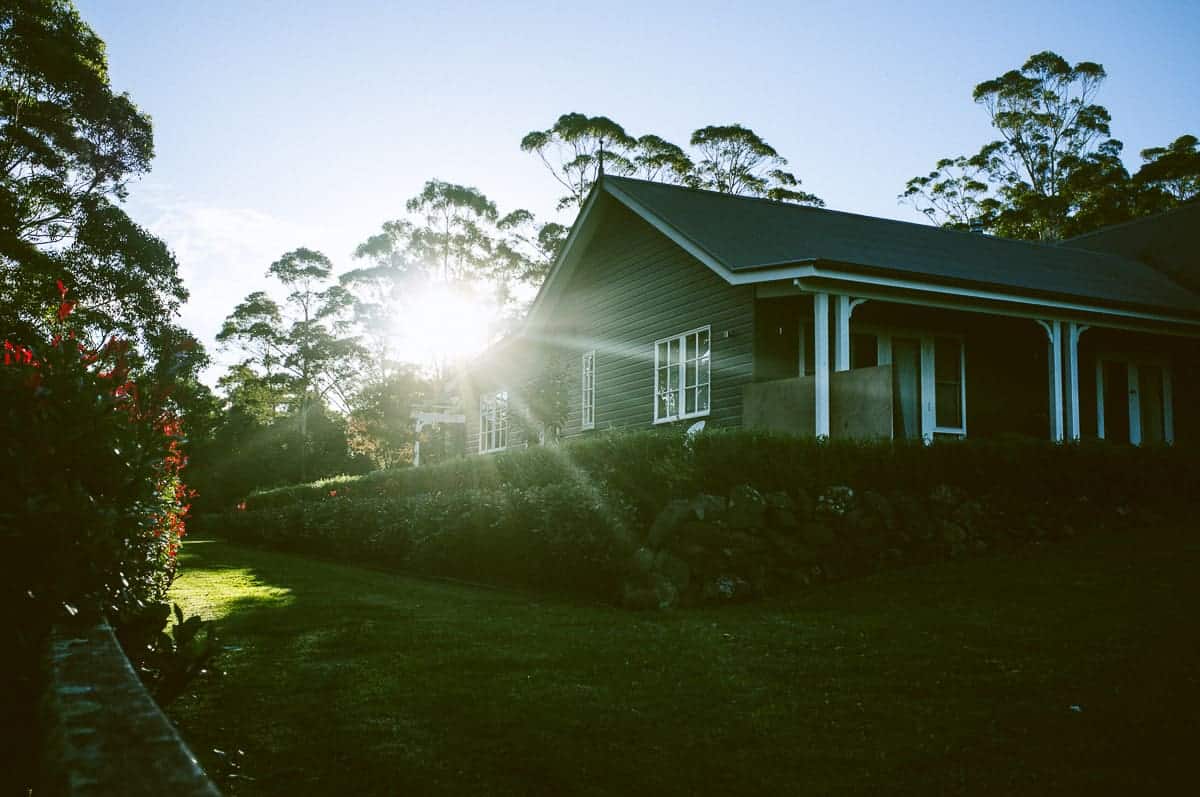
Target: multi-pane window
[
  {"x": 948, "y": 382},
  {"x": 681, "y": 375},
  {"x": 493, "y": 421},
  {"x": 589, "y": 390}
]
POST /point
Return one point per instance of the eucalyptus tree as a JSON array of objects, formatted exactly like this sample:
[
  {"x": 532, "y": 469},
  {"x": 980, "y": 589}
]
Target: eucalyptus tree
[
  {"x": 1052, "y": 171},
  {"x": 300, "y": 347},
  {"x": 575, "y": 149},
  {"x": 733, "y": 159},
  {"x": 655, "y": 158},
  {"x": 379, "y": 290},
  {"x": 956, "y": 194},
  {"x": 1173, "y": 170},
  {"x": 69, "y": 145},
  {"x": 526, "y": 248},
  {"x": 455, "y": 235}
]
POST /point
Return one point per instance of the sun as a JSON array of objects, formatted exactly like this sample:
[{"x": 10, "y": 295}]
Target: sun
[{"x": 445, "y": 323}]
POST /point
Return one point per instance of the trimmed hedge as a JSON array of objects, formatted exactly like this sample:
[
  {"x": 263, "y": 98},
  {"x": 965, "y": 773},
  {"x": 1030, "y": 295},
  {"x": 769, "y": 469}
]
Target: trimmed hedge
[
  {"x": 563, "y": 537},
  {"x": 573, "y": 518}
]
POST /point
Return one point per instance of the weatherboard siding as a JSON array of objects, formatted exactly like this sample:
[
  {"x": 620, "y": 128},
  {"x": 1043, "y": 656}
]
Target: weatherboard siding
[{"x": 632, "y": 287}]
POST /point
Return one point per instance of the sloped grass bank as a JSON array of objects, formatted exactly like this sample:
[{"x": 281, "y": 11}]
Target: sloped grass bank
[
  {"x": 1066, "y": 673},
  {"x": 649, "y": 519}
]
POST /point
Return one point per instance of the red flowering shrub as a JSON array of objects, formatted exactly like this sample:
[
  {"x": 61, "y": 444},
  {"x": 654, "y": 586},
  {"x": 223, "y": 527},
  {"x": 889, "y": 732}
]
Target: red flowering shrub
[{"x": 90, "y": 463}]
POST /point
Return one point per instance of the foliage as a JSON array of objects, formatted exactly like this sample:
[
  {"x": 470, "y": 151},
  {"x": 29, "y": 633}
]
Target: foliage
[
  {"x": 1054, "y": 171},
  {"x": 68, "y": 147},
  {"x": 648, "y": 468},
  {"x": 731, "y": 159},
  {"x": 561, "y": 536},
  {"x": 572, "y": 149},
  {"x": 380, "y": 426},
  {"x": 93, "y": 446},
  {"x": 377, "y": 292},
  {"x": 526, "y": 250},
  {"x": 93, "y": 458},
  {"x": 841, "y": 508},
  {"x": 543, "y": 410},
  {"x": 167, "y": 662},
  {"x": 736, "y": 160},
  {"x": 297, "y": 353},
  {"x": 245, "y": 453},
  {"x": 655, "y": 158},
  {"x": 1173, "y": 169},
  {"x": 453, "y": 239}
]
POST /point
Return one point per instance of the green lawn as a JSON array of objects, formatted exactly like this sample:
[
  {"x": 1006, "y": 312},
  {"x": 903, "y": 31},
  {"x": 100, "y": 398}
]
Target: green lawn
[{"x": 1074, "y": 670}]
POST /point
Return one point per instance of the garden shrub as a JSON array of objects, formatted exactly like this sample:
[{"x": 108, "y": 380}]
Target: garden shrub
[
  {"x": 562, "y": 536},
  {"x": 95, "y": 504},
  {"x": 654, "y": 518}
]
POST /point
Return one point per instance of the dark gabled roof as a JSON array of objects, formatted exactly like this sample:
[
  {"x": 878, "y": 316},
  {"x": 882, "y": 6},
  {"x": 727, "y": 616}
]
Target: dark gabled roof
[
  {"x": 745, "y": 234},
  {"x": 1169, "y": 242}
]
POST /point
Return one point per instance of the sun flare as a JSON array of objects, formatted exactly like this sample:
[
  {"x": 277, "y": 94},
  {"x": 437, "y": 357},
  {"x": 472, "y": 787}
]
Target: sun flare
[{"x": 445, "y": 323}]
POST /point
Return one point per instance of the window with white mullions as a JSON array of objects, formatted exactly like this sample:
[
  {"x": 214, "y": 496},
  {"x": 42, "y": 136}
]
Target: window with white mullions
[
  {"x": 493, "y": 422},
  {"x": 589, "y": 390},
  {"x": 948, "y": 383},
  {"x": 682, "y": 375}
]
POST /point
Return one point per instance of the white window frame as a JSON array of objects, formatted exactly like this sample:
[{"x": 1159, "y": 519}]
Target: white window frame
[
  {"x": 681, "y": 396},
  {"x": 493, "y": 422},
  {"x": 1132, "y": 362},
  {"x": 883, "y": 356},
  {"x": 587, "y": 417}
]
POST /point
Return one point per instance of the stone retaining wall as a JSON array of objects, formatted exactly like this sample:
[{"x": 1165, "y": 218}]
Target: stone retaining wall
[{"x": 102, "y": 733}]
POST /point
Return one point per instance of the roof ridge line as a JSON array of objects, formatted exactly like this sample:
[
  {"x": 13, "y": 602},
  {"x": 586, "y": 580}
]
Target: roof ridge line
[{"x": 779, "y": 203}]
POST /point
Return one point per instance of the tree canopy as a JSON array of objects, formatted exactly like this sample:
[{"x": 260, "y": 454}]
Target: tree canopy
[
  {"x": 1174, "y": 169},
  {"x": 1054, "y": 170},
  {"x": 571, "y": 150},
  {"x": 729, "y": 158},
  {"x": 69, "y": 145},
  {"x": 736, "y": 160}
]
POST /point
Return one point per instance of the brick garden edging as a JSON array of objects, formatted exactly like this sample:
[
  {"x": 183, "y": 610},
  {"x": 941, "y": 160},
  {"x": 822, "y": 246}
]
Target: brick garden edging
[{"x": 102, "y": 733}]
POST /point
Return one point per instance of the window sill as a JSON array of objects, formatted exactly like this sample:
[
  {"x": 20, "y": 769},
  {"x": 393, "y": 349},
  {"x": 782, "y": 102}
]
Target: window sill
[{"x": 677, "y": 418}]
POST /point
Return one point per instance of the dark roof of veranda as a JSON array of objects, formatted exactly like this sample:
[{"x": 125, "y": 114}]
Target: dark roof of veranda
[
  {"x": 744, "y": 234},
  {"x": 1170, "y": 242}
]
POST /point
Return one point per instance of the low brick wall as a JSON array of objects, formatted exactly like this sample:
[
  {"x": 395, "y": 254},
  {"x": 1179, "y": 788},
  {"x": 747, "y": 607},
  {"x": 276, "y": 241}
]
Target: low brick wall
[{"x": 102, "y": 732}]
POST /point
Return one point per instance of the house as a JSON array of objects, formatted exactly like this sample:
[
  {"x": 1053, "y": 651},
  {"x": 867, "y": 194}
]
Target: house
[{"x": 671, "y": 305}]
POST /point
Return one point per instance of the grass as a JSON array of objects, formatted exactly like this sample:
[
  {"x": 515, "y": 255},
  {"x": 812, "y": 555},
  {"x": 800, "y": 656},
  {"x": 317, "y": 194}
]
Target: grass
[{"x": 1073, "y": 670}]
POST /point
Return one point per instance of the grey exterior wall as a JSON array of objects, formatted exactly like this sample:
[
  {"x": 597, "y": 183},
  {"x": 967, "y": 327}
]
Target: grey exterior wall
[
  {"x": 635, "y": 286},
  {"x": 631, "y": 287}
]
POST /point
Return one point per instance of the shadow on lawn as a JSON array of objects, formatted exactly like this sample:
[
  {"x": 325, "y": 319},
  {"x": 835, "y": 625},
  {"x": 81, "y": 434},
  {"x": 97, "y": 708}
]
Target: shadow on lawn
[{"x": 1074, "y": 668}]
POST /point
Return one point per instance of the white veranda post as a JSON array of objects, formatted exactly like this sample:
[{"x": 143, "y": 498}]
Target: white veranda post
[
  {"x": 1071, "y": 375},
  {"x": 821, "y": 362},
  {"x": 841, "y": 332},
  {"x": 1054, "y": 333}
]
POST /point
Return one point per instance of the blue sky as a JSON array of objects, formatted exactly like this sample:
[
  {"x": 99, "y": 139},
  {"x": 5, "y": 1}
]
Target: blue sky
[{"x": 285, "y": 124}]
